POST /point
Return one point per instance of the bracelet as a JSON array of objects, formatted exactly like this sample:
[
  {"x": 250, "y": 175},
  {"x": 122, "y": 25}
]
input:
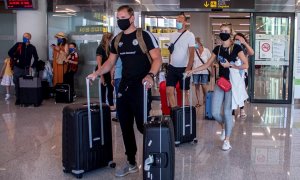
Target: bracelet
[{"x": 151, "y": 75}]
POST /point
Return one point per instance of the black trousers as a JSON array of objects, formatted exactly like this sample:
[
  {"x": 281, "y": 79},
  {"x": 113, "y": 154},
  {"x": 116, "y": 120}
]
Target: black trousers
[
  {"x": 130, "y": 108},
  {"x": 18, "y": 72},
  {"x": 109, "y": 89}
]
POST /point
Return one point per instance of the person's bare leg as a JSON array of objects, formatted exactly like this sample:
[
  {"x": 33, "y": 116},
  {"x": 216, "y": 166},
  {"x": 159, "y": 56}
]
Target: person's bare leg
[
  {"x": 187, "y": 97},
  {"x": 204, "y": 89},
  {"x": 7, "y": 89},
  {"x": 197, "y": 89},
  {"x": 171, "y": 96}
]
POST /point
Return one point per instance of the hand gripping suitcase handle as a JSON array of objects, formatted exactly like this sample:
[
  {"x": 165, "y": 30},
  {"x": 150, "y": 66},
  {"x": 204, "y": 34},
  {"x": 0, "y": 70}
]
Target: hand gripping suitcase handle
[
  {"x": 183, "y": 105},
  {"x": 90, "y": 114}
]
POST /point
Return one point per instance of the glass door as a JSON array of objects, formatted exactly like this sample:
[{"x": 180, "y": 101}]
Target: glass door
[{"x": 271, "y": 80}]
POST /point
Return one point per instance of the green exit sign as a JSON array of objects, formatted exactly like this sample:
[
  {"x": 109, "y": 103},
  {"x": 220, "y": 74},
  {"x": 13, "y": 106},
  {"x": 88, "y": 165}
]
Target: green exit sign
[{"x": 218, "y": 4}]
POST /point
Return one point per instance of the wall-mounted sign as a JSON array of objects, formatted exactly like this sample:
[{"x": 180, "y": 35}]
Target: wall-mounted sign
[
  {"x": 21, "y": 4},
  {"x": 218, "y": 4},
  {"x": 266, "y": 50},
  {"x": 94, "y": 29}
]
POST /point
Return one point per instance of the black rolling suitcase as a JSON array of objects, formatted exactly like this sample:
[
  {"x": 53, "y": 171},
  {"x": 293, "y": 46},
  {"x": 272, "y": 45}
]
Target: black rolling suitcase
[
  {"x": 159, "y": 150},
  {"x": 86, "y": 137},
  {"x": 30, "y": 91},
  {"x": 184, "y": 120},
  {"x": 63, "y": 93},
  {"x": 46, "y": 90}
]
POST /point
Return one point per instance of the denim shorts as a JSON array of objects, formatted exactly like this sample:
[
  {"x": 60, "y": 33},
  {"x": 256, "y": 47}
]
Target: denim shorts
[{"x": 200, "y": 79}]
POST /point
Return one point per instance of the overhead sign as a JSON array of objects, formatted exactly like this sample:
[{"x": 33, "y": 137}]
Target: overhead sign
[
  {"x": 218, "y": 4},
  {"x": 20, "y": 4}
]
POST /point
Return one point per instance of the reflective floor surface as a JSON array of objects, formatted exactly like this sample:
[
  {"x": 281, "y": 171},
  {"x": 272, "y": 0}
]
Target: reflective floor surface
[{"x": 266, "y": 145}]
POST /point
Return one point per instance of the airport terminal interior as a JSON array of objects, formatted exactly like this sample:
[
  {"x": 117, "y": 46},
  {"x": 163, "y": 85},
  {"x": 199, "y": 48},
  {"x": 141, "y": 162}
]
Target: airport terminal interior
[{"x": 265, "y": 143}]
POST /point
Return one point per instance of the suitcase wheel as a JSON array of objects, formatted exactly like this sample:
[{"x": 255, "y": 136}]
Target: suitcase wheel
[
  {"x": 112, "y": 164},
  {"x": 79, "y": 176},
  {"x": 195, "y": 141}
]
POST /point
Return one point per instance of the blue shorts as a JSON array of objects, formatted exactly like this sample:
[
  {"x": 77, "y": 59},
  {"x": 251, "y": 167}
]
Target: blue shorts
[{"x": 200, "y": 79}]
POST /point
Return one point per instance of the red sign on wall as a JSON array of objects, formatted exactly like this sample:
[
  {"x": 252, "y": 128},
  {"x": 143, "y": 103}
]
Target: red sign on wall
[{"x": 20, "y": 4}]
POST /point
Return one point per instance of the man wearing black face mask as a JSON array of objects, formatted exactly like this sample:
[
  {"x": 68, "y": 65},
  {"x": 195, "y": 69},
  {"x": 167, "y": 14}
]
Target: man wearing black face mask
[
  {"x": 21, "y": 54},
  {"x": 136, "y": 70}
]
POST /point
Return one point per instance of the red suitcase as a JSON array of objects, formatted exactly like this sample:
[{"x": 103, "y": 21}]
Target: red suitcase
[{"x": 166, "y": 110}]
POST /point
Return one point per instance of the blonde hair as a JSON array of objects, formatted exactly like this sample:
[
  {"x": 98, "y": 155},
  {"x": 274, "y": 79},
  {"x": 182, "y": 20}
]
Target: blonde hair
[
  {"x": 229, "y": 25},
  {"x": 105, "y": 42},
  {"x": 198, "y": 40}
]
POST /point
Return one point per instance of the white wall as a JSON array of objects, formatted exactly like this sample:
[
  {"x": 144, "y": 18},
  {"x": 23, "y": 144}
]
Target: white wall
[
  {"x": 201, "y": 26},
  {"x": 34, "y": 22}
]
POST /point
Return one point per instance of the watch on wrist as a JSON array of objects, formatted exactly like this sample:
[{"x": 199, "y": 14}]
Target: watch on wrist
[{"x": 151, "y": 75}]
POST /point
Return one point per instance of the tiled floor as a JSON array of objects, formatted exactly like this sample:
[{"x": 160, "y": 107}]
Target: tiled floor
[{"x": 266, "y": 145}]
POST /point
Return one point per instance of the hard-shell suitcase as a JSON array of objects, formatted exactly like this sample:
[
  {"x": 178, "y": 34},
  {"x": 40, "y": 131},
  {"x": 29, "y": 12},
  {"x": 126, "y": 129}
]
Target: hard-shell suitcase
[
  {"x": 31, "y": 92},
  {"x": 208, "y": 106},
  {"x": 165, "y": 107},
  {"x": 184, "y": 120},
  {"x": 86, "y": 137},
  {"x": 63, "y": 93},
  {"x": 46, "y": 90},
  {"x": 208, "y": 102},
  {"x": 159, "y": 150}
]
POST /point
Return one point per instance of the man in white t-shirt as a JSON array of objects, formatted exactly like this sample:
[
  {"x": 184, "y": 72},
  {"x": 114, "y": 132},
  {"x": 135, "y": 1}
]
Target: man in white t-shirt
[
  {"x": 181, "y": 59},
  {"x": 200, "y": 78}
]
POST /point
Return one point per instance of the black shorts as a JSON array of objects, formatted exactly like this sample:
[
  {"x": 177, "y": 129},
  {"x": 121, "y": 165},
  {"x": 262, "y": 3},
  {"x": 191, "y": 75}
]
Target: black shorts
[{"x": 175, "y": 75}]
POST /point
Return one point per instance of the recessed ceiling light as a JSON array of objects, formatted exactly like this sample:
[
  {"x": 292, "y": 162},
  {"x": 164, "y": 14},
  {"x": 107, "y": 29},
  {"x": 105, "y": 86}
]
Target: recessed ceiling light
[
  {"x": 219, "y": 16},
  {"x": 216, "y": 24}
]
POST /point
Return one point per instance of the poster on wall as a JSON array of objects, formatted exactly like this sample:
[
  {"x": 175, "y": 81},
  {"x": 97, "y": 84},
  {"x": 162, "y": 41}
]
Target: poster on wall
[
  {"x": 265, "y": 49},
  {"x": 278, "y": 50}
]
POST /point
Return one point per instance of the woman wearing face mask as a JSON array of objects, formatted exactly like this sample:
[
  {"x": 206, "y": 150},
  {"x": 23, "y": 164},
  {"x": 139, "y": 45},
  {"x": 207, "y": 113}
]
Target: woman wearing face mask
[
  {"x": 225, "y": 53},
  {"x": 241, "y": 40},
  {"x": 102, "y": 55},
  {"x": 60, "y": 53},
  {"x": 200, "y": 78}
]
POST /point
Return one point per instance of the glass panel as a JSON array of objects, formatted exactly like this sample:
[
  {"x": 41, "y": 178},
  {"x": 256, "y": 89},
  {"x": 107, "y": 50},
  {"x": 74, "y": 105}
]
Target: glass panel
[
  {"x": 272, "y": 46},
  {"x": 85, "y": 29},
  {"x": 7, "y": 36}
]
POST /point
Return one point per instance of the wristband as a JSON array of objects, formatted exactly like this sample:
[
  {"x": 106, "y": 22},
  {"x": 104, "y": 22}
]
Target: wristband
[{"x": 151, "y": 75}]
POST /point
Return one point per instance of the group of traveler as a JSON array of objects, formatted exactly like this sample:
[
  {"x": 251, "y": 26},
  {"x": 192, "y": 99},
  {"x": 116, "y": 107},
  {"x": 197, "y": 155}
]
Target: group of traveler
[
  {"x": 132, "y": 59},
  {"x": 188, "y": 57},
  {"x": 19, "y": 64}
]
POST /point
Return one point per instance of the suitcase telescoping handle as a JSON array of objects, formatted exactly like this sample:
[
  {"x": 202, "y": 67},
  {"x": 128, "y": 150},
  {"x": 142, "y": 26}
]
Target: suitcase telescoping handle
[
  {"x": 145, "y": 102},
  {"x": 183, "y": 105},
  {"x": 90, "y": 114}
]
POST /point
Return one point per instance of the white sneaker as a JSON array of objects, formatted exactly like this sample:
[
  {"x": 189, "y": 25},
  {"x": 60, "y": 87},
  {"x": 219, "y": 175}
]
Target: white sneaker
[
  {"x": 7, "y": 96},
  {"x": 126, "y": 169},
  {"x": 243, "y": 113},
  {"x": 222, "y": 136},
  {"x": 226, "y": 145}
]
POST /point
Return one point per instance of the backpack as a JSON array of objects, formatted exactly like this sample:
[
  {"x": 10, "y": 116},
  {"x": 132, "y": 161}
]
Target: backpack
[
  {"x": 15, "y": 60},
  {"x": 140, "y": 39}
]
